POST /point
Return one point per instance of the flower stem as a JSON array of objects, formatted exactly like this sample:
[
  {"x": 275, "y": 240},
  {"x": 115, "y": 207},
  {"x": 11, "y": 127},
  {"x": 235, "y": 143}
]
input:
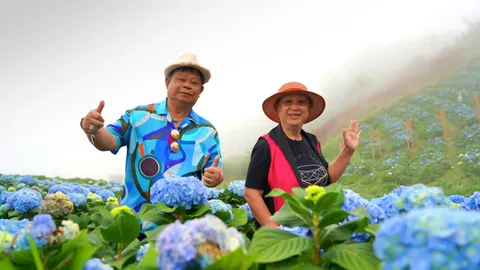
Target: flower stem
[
  {"x": 119, "y": 252},
  {"x": 316, "y": 240}
]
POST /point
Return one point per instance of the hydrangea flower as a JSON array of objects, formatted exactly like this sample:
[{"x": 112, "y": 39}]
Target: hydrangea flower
[
  {"x": 387, "y": 203},
  {"x": 179, "y": 191},
  {"x": 115, "y": 211},
  {"x": 96, "y": 264},
  {"x": 196, "y": 244},
  {"x": 430, "y": 238},
  {"x": 218, "y": 205},
  {"x": 57, "y": 205},
  {"x": 314, "y": 193},
  {"x": 13, "y": 226},
  {"x": 250, "y": 215},
  {"x": 212, "y": 193},
  {"x": 141, "y": 252},
  {"x": 27, "y": 179},
  {"x": 24, "y": 200},
  {"x": 69, "y": 230},
  {"x": 419, "y": 196},
  {"x": 66, "y": 188},
  {"x": 78, "y": 199},
  {"x": 473, "y": 202},
  {"x": 105, "y": 194},
  {"x": 237, "y": 187}
]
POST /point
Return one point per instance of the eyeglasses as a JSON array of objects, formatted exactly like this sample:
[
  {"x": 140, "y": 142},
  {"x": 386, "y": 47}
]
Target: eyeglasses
[{"x": 174, "y": 146}]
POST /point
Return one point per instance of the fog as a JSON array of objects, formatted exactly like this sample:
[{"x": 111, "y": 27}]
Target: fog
[{"x": 58, "y": 59}]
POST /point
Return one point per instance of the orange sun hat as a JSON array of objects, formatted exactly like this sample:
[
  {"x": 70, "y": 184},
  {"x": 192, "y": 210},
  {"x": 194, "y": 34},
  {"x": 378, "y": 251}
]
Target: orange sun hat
[{"x": 318, "y": 102}]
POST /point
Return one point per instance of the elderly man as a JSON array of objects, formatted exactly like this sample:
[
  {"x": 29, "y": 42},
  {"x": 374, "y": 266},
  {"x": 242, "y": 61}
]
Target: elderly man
[{"x": 164, "y": 139}]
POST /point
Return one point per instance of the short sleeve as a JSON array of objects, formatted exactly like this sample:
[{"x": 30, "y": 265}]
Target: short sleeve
[
  {"x": 121, "y": 131},
  {"x": 258, "y": 169}
]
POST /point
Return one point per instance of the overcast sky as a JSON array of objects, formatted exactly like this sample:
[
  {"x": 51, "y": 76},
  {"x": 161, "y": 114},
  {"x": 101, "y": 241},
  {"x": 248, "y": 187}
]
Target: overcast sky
[{"x": 58, "y": 59}]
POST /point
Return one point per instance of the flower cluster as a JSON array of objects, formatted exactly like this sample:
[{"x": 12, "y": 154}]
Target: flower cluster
[
  {"x": 24, "y": 200},
  {"x": 179, "y": 191},
  {"x": 246, "y": 207},
  {"x": 430, "y": 238},
  {"x": 237, "y": 187},
  {"x": 196, "y": 244},
  {"x": 420, "y": 196},
  {"x": 57, "y": 205},
  {"x": 218, "y": 205}
]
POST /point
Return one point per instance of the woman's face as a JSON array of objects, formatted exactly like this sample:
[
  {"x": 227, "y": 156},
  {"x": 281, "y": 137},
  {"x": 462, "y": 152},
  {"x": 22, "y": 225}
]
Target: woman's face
[{"x": 293, "y": 109}]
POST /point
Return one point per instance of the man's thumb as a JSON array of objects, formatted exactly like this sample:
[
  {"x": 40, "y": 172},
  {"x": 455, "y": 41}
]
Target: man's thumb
[
  {"x": 100, "y": 106},
  {"x": 215, "y": 161}
]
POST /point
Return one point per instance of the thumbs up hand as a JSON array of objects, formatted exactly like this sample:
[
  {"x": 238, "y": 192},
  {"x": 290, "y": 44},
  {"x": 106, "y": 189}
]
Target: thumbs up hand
[
  {"x": 93, "y": 121},
  {"x": 213, "y": 175}
]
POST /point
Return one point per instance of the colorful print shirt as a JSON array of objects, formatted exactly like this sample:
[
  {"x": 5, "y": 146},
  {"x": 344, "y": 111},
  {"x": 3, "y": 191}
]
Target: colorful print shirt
[{"x": 146, "y": 131}]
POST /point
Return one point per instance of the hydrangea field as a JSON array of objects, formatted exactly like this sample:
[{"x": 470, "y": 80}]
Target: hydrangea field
[
  {"x": 443, "y": 153},
  {"x": 53, "y": 224}
]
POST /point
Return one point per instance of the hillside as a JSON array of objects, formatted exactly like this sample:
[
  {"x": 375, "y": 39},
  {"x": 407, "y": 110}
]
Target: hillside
[{"x": 443, "y": 152}]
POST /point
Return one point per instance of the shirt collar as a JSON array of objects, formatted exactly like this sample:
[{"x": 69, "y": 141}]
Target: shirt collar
[{"x": 161, "y": 108}]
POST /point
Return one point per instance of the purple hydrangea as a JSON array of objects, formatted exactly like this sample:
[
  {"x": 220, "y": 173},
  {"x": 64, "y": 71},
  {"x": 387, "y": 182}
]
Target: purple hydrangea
[
  {"x": 430, "y": 238},
  {"x": 196, "y": 244},
  {"x": 179, "y": 191},
  {"x": 24, "y": 200}
]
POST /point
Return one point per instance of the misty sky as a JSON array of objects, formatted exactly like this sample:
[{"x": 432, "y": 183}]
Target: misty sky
[{"x": 58, "y": 59}]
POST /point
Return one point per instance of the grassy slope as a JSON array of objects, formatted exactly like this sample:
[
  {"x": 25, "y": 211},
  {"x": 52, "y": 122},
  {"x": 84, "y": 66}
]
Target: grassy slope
[{"x": 434, "y": 159}]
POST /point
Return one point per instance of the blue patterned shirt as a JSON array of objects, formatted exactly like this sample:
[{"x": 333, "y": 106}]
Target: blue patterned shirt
[{"x": 146, "y": 131}]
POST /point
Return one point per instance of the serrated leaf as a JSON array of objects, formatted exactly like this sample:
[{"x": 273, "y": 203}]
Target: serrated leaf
[
  {"x": 239, "y": 217},
  {"x": 273, "y": 245},
  {"x": 287, "y": 217},
  {"x": 297, "y": 208},
  {"x": 353, "y": 256}
]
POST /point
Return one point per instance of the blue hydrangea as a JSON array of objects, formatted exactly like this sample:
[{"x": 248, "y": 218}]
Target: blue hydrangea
[
  {"x": 458, "y": 199},
  {"x": 419, "y": 196},
  {"x": 218, "y": 205},
  {"x": 77, "y": 199},
  {"x": 250, "y": 215},
  {"x": 24, "y": 200},
  {"x": 27, "y": 179},
  {"x": 96, "y": 264},
  {"x": 42, "y": 227},
  {"x": 105, "y": 194},
  {"x": 196, "y": 244},
  {"x": 430, "y": 238},
  {"x": 179, "y": 191},
  {"x": 141, "y": 252},
  {"x": 2, "y": 189},
  {"x": 387, "y": 203},
  {"x": 13, "y": 226},
  {"x": 4, "y": 196},
  {"x": 212, "y": 193},
  {"x": 237, "y": 187},
  {"x": 66, "y": 188},
  {"x": 473, "y": 202}
]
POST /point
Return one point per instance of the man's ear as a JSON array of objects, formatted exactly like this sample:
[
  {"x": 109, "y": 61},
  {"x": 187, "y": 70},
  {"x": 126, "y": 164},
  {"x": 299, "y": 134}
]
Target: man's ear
[{"x": 167, "y": 81}]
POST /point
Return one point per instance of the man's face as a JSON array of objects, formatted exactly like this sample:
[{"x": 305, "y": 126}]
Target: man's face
[
  {"x": 184, "y": 86},
  {"x": 293, "y": 109}
]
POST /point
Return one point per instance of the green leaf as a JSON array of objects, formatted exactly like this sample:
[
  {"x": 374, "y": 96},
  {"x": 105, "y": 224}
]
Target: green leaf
[
  {"x": 152, "y": 235},
  {"x": 299, "y": 194},
  {"x": 360, "y": 212},
  {"x": 125, "y": 229},
  {"x": 148, "y": 212},
  {"x": 200, "y": 211},
  {"x": 287, "y": 217},
  {"x": 294, "y": 264},
  {"x": 35, "y": 254},
  {"x": 372, "y": 229},
  {"x": 223, "y": 215},
  {"x": 297, "y": 208},
  {"x": 333, "y": 217},
  {"x": 334, "y": 187},
  {"x": 274, "y": 245},
  {"x": 239, "y": 217},
  {"x": 335, "y": 234},
  {"x": 164, "y": 208},
  {"x": 150, "y": 257},
  {"x": 353, "y": 256},
  {"x": 329, "y": 200},
  {"x": 235, "y": 260}
]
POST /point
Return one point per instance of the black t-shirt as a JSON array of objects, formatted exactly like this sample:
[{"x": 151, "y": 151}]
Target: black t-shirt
[{"x": 312, "y": 170}]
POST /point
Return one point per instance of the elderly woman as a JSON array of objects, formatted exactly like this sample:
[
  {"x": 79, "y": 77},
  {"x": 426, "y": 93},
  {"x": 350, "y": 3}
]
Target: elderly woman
[{"x": 289, "y": 157}]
